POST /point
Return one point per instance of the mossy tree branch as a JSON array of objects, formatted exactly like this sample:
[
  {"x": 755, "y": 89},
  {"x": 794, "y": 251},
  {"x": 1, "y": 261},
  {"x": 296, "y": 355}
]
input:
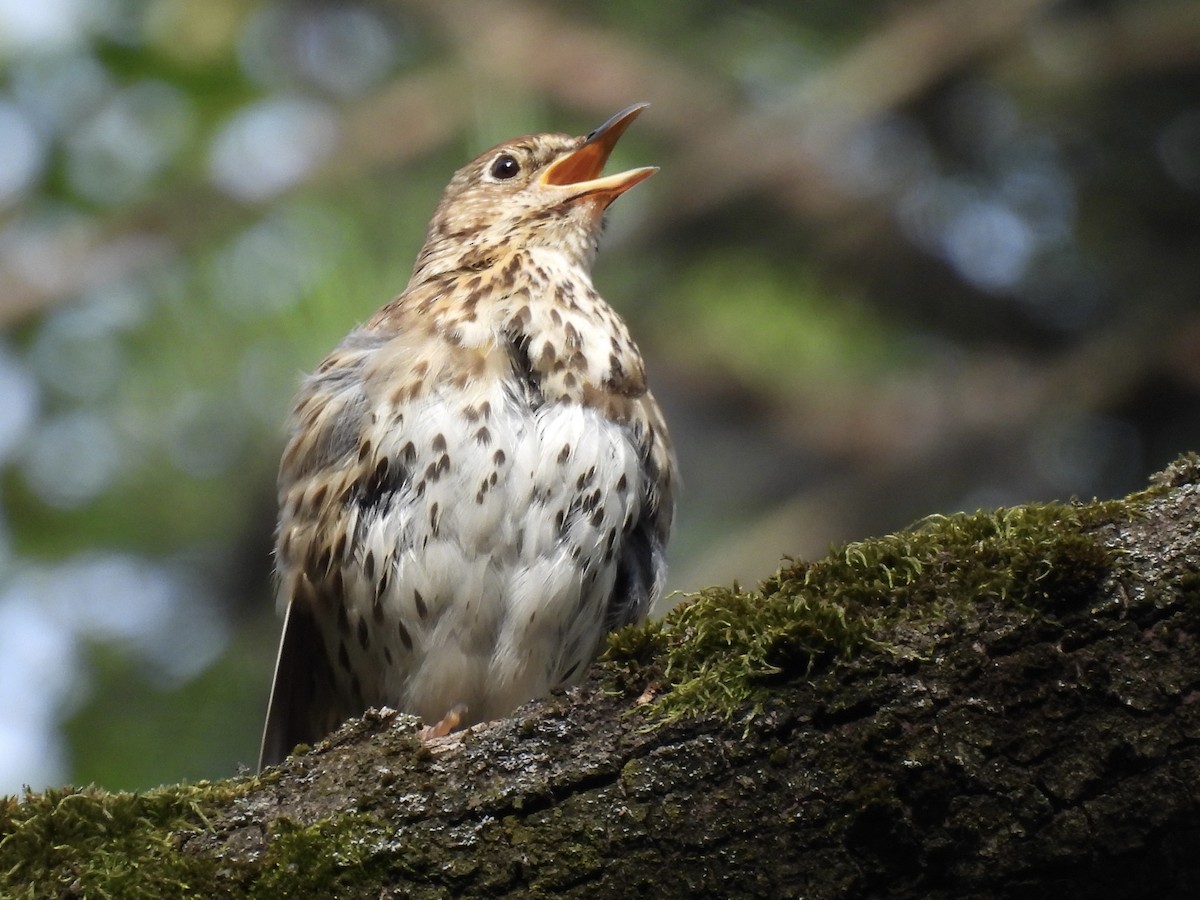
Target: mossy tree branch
[{"x": 993, "y": 705}]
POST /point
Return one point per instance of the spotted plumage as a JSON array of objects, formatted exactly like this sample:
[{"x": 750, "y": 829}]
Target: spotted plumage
[{"x": 478, "y": 484}]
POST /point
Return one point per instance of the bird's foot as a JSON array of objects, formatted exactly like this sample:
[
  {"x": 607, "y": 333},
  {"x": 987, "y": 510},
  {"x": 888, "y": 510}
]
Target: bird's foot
[{"x": 449, "y": 722}]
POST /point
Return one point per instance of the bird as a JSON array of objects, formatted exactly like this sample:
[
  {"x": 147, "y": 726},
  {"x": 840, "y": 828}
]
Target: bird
[{"x": 477, "y": 485}]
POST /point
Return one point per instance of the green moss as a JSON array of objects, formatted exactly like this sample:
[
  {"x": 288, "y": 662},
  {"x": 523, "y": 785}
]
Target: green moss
[
  {"x": 1184, "y": 470},
  {"x": 323, "y": 859},
  {"x": 88, "y": 843},
  {"x": 724, "y": 647}
]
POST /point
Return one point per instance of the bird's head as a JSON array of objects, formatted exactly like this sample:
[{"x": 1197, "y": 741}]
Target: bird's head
[{"x": 541, "y": 190}]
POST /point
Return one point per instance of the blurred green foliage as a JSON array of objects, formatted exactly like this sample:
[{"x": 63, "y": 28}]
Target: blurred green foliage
[{"x": 899, "y": 260}]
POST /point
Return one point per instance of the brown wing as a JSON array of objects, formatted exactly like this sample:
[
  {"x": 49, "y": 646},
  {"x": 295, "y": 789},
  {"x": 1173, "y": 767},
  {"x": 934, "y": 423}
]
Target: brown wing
[
  {"x": 301, "y": 690},
  {"x": 641, "y": 562},
  {"x": 320, "y": 461}
]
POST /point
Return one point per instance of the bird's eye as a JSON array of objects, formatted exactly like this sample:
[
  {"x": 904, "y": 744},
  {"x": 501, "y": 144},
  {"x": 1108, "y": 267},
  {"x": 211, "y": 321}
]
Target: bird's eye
[{"x": 504, "y": 166}]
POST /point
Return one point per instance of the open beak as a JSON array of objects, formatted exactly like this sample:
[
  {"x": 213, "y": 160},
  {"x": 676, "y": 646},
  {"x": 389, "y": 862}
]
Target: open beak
[{"x": 580, "y": 169}]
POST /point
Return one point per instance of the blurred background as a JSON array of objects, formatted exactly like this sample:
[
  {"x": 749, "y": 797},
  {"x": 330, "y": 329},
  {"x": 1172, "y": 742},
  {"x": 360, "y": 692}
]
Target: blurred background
[{"x": 902, "y": 258}]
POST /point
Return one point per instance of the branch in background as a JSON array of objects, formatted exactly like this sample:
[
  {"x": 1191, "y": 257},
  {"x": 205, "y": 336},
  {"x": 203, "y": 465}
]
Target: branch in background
[{"x": 536, "y": 50}]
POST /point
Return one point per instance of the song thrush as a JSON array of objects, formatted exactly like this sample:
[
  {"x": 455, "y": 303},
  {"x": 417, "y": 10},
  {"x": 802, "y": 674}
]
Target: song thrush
[{"x": 478, "y": 484}]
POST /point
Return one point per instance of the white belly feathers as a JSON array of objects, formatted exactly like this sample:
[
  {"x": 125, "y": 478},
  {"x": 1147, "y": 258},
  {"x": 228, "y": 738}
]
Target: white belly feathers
[{"x": 496, "y": 555}]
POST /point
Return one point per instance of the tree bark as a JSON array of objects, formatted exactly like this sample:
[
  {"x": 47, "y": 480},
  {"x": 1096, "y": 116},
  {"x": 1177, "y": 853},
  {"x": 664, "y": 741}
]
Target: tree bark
[{"x": 985, "y": 747}]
